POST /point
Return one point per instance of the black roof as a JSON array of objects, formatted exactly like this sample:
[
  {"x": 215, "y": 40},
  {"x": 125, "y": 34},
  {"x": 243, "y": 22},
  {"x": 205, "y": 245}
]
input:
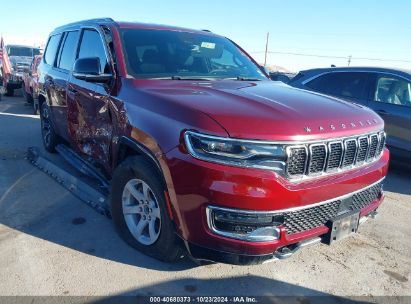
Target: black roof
[
  {"x": 97, "y": 21},
  {"x": 359, "y": 69}
]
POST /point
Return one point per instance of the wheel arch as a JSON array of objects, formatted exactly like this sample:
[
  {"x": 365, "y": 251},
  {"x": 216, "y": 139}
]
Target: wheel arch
[{"x": 130, "y": 147}]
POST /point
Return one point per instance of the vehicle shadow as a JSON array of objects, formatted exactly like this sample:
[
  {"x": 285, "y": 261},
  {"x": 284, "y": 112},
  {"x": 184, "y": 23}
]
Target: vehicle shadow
[
  {"x": 33, "y": 203},
  {"x": 264, "y": 289},
  {"x": 398, "y": 179}
]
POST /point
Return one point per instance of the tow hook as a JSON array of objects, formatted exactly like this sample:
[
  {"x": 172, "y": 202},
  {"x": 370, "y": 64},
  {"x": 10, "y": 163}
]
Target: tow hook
[{"x": 288, "y": 251}]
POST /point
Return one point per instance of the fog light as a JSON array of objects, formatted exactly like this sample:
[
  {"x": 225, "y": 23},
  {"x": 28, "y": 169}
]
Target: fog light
[{"x": 245, "y": 225}]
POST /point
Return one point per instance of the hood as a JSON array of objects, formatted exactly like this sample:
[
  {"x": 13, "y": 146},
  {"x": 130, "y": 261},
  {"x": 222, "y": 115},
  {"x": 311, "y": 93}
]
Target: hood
[{"x": 267, "y": 110}]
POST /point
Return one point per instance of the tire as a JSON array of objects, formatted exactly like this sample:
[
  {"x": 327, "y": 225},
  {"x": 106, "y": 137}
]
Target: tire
[
  {"x": 36, "y": 108},
  {"x": 161, "y": 242},
  {"x": 9, "y": 91},
  {"x": 49, "y": 136},
  {"x": 27, "y": 96}
]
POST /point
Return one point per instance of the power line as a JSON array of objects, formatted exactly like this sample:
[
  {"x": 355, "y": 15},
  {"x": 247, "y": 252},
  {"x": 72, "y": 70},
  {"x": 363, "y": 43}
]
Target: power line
[{"x": 337, "y": 57}]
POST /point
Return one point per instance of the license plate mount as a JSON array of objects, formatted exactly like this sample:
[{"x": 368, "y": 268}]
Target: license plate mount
[{"x": 342, "y": 226}]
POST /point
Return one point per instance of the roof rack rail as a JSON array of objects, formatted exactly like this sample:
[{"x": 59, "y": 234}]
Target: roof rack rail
[
  {"x": 206, "y": 31},
  {"x": 95, "y": 20}
]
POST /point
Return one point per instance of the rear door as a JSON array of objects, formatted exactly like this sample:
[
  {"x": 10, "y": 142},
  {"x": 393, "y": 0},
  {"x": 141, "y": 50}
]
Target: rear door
[
  {"x": 392, "y": 101},
  {"x": 64, "y": 62},
  {"x": 89, "y": 117},
  {"x": 50, "y": 87}
]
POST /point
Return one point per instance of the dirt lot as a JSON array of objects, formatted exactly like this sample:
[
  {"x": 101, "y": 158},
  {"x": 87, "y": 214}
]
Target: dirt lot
[{"x": 53, "y": 244}]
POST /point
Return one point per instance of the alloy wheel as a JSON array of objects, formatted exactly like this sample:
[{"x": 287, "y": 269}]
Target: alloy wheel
[{"x": 141, "y": 211}]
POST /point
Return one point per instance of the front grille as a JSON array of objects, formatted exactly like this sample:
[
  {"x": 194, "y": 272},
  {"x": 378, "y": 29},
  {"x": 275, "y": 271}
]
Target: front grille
[
  {"x": 381, "y": 143},
  {"x": 318, "y": 157},
  {"x": 362, "y": 149},
  {"x": 334, "y": 155},
  {"x": 350, "y": 151},
  {"x": 373, "y": 146},
  {"x": 309, "y": 218},
  {"x": 364, "y": 198},
  {"x": 297, "y": 160}
]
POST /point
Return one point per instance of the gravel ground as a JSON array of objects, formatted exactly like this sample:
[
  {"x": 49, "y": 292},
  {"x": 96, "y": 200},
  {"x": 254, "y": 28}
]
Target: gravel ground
[{"x": 53, "y": 244}]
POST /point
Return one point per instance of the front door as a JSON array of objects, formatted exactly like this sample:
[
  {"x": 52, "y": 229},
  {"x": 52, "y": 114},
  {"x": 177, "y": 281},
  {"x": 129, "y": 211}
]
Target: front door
[
  {"x": 392, "y": 101},
  {"x": 89, "y": 118}
]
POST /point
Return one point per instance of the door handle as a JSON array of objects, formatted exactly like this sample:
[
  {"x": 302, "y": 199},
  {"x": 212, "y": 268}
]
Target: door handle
[
  {"x": 383, "y": 112},
  {"x": 71, "y": 90}
]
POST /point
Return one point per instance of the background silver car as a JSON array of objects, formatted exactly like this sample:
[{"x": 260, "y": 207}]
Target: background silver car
[{"x": 386, "y": 91}]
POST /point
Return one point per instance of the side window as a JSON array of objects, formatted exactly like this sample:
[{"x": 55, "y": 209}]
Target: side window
[
  {"x": 345, "y": 84},
  {"x": 68, "y": 52},
  {"x": 51, "y": 49},
  {"x": 92, "y": 46},
  {"x": 393, "y": 90}
]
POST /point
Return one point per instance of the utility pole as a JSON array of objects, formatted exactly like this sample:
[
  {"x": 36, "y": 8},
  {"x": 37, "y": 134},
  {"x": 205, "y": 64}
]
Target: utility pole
[
  {"x": 349, "y": 60},
  {"x": 266, "y": 50}
]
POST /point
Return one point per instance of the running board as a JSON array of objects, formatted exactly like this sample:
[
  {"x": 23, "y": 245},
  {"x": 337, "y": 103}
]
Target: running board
[
  {"x": 81, "y": 165},
  {"x": 95, "y": 198}
]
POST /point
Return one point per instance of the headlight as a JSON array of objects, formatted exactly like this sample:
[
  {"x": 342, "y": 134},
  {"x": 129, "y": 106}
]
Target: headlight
[{"x": 236, "y": 152}]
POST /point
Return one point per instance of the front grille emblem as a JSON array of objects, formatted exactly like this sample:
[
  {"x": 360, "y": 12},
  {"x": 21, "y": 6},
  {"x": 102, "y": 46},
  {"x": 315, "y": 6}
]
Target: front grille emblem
[
  {"x": 332, "y": 127},
  {"x": 307, "y": 129}
]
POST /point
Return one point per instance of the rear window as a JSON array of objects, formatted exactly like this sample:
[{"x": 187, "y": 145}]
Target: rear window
[
  {"x": 51, "y": 49},
  {"x": 23, "y": 51}
]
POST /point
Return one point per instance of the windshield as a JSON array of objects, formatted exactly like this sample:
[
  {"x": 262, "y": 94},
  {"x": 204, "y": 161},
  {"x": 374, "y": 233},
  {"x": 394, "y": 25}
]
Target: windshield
[
  {"x": 183, "y": 55},
  {"x": 23, "y": 51}
]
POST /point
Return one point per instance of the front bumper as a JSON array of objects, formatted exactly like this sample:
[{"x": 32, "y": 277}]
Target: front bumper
[
  {"x": 196, "y": 185},
  {"x": 15, "y": 81}
]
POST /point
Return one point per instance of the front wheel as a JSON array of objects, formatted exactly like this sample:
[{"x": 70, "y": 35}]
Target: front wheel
[
  {"x": 9, "y": 91},
  {"x": 49, "y": 136},
  {"x": 140, "y": 211},
  {"x": 27, "y": 96}
]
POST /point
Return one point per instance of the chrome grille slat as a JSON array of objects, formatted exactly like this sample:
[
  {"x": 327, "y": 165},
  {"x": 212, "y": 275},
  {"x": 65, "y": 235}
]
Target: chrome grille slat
[
  {"x": 362, "y": 149},
  {"x": 313, "y": 159},
  {"x": 335, "y": 155},
  {"x": 350, "y": 146},
  {"x": 297, "y": 163},
  {"x": 381, "y": 143},
  {"x": 373, "y": 139},
  {"x": 318, "y": 157}
]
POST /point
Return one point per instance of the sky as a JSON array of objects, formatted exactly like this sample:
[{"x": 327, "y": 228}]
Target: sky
[{"x": 302, "y": 33}]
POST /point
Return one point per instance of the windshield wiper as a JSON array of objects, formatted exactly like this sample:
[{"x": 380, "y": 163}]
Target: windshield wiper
[
  {"x": 191, "y": 78},
  {"x": 240, "y": 78}
]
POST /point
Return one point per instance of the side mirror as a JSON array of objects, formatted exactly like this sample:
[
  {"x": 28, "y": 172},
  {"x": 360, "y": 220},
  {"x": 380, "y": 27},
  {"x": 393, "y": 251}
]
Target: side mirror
[{"x": 88, "y": 69}]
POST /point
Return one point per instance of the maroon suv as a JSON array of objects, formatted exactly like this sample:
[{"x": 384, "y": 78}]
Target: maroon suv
[{"x": 204, "y": 153}]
